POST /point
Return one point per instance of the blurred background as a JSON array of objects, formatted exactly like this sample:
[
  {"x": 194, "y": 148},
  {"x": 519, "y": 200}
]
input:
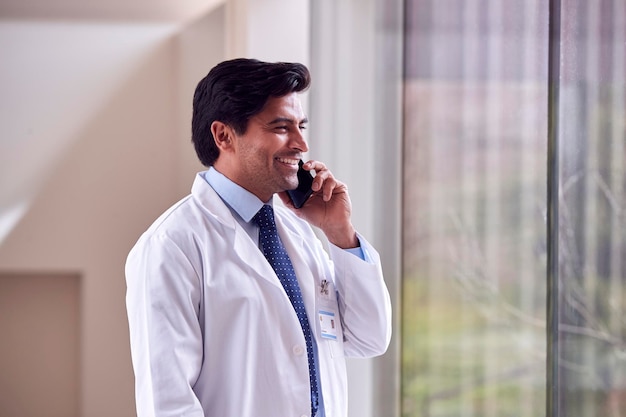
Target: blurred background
[{"x": 483, "y": 141}]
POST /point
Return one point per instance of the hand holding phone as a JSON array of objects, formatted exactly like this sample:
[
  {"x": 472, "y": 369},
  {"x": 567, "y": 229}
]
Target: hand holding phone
[{"x": 300, "y": 195}]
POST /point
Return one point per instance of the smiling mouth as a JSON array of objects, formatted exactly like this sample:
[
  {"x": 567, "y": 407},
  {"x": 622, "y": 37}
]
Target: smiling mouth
[{"x": 288, "y": 161}]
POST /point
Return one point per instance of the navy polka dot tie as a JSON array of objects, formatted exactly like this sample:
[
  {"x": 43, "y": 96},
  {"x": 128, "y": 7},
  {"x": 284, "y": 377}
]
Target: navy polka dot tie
[{"x": 277, "y": 256}]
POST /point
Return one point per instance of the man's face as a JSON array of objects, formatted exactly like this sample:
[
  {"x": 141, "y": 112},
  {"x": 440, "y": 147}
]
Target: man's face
[{"x": 265, "y": 158}]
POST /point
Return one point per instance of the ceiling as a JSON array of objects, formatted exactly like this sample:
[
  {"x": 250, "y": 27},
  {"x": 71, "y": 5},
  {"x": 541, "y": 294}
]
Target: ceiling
[{"x": 107, "y": 10}]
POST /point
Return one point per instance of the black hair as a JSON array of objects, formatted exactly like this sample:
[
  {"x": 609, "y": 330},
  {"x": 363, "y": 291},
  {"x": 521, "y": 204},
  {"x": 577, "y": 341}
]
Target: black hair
[{"x": 234, "y": 91}]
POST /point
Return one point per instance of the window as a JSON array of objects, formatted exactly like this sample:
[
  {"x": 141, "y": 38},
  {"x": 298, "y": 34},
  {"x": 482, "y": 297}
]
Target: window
[{"x": 479, "y": 187}]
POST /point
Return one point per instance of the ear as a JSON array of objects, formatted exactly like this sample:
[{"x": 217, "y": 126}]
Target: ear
[{"x": 223, "y": 135}]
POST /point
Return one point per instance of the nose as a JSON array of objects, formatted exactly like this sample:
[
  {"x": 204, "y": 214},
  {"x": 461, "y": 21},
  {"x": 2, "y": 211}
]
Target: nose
[{"x": 298, "y": 142}]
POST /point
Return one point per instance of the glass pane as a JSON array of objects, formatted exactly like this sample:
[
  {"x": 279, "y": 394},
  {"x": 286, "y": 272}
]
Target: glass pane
[
  {"x": 592, "y": 209},
  {"x": 474, "y": 268}
]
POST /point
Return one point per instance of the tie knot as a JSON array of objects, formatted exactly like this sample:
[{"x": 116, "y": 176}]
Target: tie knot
[{"x": 265, "y": 217}]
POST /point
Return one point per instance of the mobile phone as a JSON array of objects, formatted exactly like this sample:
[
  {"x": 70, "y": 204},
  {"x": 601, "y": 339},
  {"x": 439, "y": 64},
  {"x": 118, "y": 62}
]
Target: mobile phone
[{"x": 301, "y": 194}]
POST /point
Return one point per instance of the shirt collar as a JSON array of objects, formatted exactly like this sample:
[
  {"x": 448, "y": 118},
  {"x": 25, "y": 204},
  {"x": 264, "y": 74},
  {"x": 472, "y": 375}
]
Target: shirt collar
[{"x": 240, "y": 200}]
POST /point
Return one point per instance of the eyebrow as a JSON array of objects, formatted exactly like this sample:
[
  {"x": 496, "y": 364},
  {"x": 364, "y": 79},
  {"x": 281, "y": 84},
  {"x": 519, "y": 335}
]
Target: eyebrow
[{"x": 288, "y": 120}]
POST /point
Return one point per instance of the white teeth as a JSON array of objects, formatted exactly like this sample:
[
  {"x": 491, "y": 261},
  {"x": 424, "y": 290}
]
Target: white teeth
[{"x": 288, "y": 161}]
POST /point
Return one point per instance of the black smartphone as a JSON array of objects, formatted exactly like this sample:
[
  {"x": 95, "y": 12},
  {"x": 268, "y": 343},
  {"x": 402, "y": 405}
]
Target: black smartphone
[{"x": 301, "y": 194}]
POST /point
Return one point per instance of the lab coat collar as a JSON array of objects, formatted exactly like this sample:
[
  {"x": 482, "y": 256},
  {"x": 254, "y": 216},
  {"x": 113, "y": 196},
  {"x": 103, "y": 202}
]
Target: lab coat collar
[
  {"x": 244, "y": 247},
  {"x": 241, "y": 243},
  {"x": 242, "y": 201},
  {"x": 206, "y": 196}
]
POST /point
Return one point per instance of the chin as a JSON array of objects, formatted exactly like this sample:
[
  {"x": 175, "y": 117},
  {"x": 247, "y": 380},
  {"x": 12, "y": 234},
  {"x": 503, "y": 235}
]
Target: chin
[{"x": 290, "y": 183}]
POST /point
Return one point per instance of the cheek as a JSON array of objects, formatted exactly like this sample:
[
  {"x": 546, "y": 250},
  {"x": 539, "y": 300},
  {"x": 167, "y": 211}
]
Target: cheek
[
  {"x": 253, "y": 160},
  {"x": 259, "y": 151}
]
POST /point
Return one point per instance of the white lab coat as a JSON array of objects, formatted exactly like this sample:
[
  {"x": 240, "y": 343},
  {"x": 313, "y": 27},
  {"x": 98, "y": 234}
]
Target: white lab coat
[{"x": 213, "y": 333}]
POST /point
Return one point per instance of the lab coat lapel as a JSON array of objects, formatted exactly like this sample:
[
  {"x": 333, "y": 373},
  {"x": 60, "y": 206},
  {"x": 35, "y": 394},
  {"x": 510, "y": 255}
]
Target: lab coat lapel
[
  {"x": 242, "y": 245},
  {"x": 251, "y": 255}
]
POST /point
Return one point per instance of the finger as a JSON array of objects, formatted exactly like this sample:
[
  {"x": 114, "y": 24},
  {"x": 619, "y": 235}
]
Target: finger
[
  {"x": 329, "y": 186},
  {"x": 320, "y": 179},
  {"x": 324, "y": 179},
  {"x": 314, "y": 165}
]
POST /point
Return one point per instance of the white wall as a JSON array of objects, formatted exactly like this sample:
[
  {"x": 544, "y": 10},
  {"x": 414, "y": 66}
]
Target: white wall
[
  {"x": 95, "y": 143},
  {"x": 93, "y": 148}
]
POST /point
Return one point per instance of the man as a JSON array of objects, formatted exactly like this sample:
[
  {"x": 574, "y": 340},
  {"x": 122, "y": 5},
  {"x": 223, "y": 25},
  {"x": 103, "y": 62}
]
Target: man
[{"x": 235, "y": 308}]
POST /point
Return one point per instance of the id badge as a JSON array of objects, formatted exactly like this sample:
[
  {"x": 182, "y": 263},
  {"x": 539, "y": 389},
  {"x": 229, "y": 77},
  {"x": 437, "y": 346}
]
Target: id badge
[{"x": 328, "y": 323}]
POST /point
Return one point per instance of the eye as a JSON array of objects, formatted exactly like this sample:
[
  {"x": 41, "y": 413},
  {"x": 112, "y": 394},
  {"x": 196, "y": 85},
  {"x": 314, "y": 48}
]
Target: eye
[
  {"x": 281, "y": 128},
  {"x": 303, "y": 127}
]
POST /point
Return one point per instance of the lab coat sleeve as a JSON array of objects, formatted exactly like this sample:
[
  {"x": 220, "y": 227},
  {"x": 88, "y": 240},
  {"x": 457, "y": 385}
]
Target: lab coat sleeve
[
  {"x": 364, "y": 301},
  {"x": 163, "y": 299}
]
